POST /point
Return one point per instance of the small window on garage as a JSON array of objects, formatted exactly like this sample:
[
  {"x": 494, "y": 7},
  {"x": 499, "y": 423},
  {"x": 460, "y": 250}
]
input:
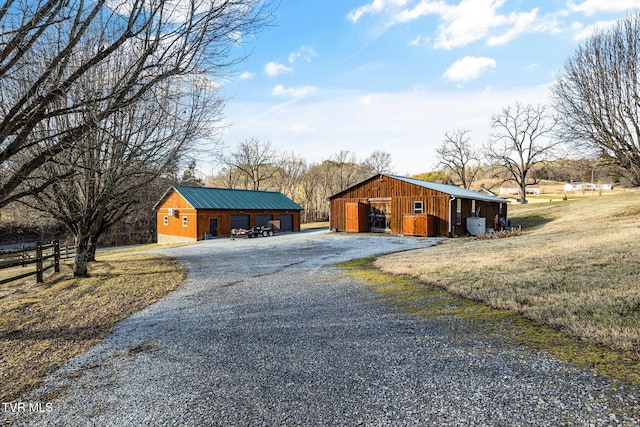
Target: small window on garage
[
  {"x": 166, "y": 220},
  {"x": 459, "y": 212},
  {"x": 418, "y": 207},
  {"x": 185, "y": 221}
]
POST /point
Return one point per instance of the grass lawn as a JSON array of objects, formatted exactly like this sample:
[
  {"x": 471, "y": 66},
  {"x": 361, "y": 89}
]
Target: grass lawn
[
  {"x": 575, "y": 268},
  {"x": 42, "y": 326},
  {"x": 314, "y": 225}
]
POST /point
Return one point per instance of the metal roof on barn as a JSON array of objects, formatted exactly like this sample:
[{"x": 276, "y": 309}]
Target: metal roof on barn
[
  {"x": 224, "y": 198},
  {"x": 453, "y": 190}
]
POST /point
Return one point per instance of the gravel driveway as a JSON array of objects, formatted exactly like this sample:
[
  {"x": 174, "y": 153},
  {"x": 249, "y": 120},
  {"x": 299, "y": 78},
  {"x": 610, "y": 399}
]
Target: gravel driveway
[{"x": 265, "y": 332}]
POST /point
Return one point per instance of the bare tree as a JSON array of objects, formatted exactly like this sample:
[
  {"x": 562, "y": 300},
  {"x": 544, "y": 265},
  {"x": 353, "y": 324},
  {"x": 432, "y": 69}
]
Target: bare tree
[
  {"x": 345, "y": 168},
  {"x": 378, "y": 162},
  {"x": 458, "y": 156},
  {"x": 227, "y": 177},
  {"x": 256, "y": 161},
  {"x": 190, "y": 176},
  {"x": 308, "y": 190},
  {"x": 318, "y": 183},
  {"x": 108, "y": 167},
  {"x": 287, "y": 177},
  {"x": 522, "y": 140},
  {"x": 597, "y": 96},
  {"x": 47, "y": 47}
]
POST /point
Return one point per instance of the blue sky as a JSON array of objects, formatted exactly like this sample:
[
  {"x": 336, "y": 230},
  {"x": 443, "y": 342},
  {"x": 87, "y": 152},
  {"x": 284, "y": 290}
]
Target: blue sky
[{"x": 395, "y": 75}]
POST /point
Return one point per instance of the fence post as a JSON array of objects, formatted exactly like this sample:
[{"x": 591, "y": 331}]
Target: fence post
[
  {"x": 39, "y": 278},
  {"x": 56, "y": 256}
]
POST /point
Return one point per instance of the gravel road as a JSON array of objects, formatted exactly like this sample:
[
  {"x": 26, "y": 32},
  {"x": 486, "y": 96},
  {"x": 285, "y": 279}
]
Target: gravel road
[{"x": 266, "y": 333}]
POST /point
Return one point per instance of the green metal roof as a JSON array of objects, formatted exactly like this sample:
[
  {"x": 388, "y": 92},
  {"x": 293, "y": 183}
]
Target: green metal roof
[{"x": 223, "y": 198}]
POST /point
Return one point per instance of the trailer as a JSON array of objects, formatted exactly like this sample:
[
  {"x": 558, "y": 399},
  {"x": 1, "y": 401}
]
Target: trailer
[{"x": 253, "y": 231}]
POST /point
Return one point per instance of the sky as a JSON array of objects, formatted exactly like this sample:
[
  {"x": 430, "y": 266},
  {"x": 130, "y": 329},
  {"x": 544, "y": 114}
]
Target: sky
[{"x": 396, "y": 75}]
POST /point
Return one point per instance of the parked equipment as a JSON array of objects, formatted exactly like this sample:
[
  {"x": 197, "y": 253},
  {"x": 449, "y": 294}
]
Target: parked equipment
[{"x": 253, "y": 231}]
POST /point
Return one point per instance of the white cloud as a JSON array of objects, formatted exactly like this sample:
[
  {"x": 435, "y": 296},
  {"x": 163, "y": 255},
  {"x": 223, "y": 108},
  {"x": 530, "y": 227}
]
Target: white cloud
[
  {"x": 203, "y": 82},
  {"x": 520, "y": 23},
  {"x": 464, "y": 22},
  {"x": 423, "y": 8},
  {"x": 235, "y": 36},
  {"x": 418, "y": 41},
  {"x": 368, "y": 100},
  {"x": 375, "y": 6},
  {"x": 583, "y": 32},
  {"x": 301, "y": 128},
  {"x": 468, "y": 68},
  {"x": 305, "y": 53},
  {"x": 274, "y": 68},
  {"x": 473, "y": 20},
  {"x": 589, "y": 7},
  {"x": 247, "y": 75},
  {"x": 294, "y": 92}
]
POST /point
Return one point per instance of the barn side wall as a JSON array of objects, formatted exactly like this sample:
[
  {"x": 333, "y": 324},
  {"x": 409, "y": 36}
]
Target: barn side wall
[
  {"x": 224, "y": 219},
  {"x": 403, "y": 195},
  {"x": 175, "y": 231}
]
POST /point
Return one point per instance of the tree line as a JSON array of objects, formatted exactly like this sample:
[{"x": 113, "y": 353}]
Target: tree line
[
  {"x": 103, "y": 102},
  {"x": 254, "y": 165}
]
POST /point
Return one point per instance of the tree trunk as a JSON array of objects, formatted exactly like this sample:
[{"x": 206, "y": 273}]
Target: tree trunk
[
  {"x": 82, "y": 253},
  {"x": 91, "y": 249},
  {"x": 523, "y": 192}
]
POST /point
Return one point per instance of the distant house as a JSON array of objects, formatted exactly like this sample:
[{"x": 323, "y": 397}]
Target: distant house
[
  {"x": 196, "y": 213},
  {"x": 394, "y": 204},
  {"x": 514, "y": 191},
  {"x": 579, "y": 186}
]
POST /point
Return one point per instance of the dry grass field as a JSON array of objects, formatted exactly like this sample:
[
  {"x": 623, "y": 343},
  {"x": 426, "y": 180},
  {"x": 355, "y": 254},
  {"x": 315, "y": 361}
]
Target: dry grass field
[
  {"x": 44, "y": 325},
  {"x": 576, "y": 267}
]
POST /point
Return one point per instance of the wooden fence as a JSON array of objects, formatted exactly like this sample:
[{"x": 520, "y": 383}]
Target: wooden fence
[{"x": 44, "y": 255}]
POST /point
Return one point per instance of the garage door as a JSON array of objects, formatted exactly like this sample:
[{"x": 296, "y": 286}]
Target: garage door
[
  {"x": 239, "y": 221},
  {"x": 263, "y": 220},
  {"x": 286, "y": 222}
]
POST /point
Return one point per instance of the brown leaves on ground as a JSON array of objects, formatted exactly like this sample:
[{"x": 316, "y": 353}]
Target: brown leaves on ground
[{"x": 41, "y": 328}]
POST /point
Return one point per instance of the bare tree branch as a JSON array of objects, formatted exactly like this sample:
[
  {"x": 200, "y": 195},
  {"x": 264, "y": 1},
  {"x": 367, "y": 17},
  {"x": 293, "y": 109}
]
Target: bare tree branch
[
  {"x": 457, "y": 156},
  {"x": 598, "y": 96},
  {"x": 521, "y": 141},
  {"x": 255, "y": 160},
  {"x": 378, "y": 162},
  {"x": 48, "y": 47}
]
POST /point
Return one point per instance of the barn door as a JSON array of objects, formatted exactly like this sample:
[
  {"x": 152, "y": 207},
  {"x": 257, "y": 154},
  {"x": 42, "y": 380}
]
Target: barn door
[
  {"x": 352, "y": 225},
  {"x": 415, "y": 225},
  {"x": 239, "y": 221},
  {"x": 263, "y": 220},
  {"x": 380, "y": 216},
  {"x": 286, "y": 222},
  {"x": 356, "y": 220}
]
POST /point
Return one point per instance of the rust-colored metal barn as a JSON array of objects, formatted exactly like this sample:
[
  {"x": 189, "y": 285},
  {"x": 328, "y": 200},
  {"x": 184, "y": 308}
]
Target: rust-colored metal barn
[
  {"x": 196, "y": 213},
  {"x": 399, "y": 205}
]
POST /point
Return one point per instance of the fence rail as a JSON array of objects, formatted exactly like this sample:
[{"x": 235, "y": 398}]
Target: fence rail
[{"x": 44, "y": 255}]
